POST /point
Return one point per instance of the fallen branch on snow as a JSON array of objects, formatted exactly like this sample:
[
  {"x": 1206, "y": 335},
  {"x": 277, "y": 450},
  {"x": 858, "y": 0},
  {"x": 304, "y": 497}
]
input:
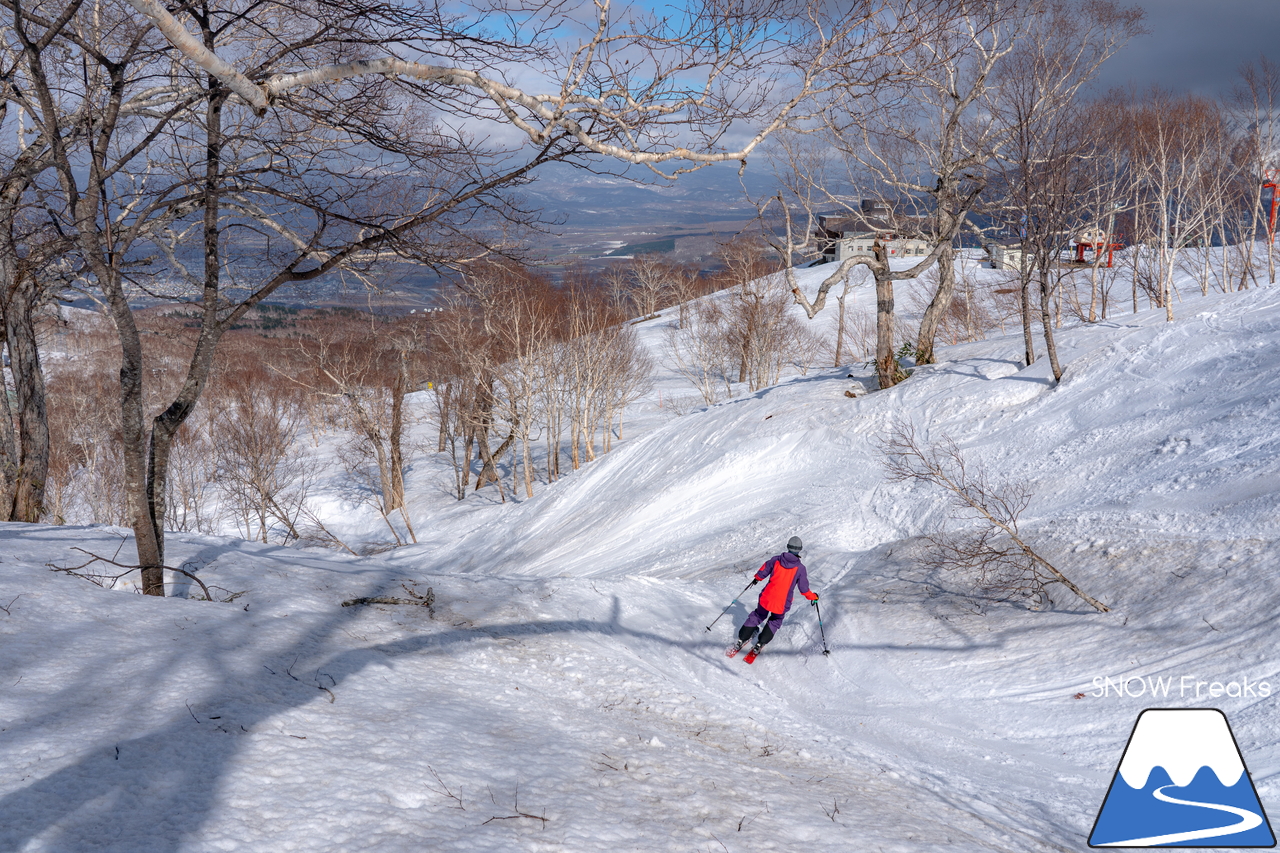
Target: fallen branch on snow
[
  {"x": 382, "y": 599},
  {"x": 516, "y": 808},
  {"x": 420, "y": 599},
  {"x": 995, "y": 555}
]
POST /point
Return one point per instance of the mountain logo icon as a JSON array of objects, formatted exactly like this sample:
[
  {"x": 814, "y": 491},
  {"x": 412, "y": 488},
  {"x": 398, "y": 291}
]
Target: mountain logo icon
[{"x": 1182, "y": 783}]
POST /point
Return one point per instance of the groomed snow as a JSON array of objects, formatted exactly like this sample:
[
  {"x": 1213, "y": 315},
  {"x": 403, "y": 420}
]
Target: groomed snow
[{"x": 564, "y": 695}]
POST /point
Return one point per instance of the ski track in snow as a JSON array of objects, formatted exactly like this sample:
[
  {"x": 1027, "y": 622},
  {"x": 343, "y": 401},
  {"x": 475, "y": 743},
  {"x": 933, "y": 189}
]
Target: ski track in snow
[{"x": 565, "y": 672}]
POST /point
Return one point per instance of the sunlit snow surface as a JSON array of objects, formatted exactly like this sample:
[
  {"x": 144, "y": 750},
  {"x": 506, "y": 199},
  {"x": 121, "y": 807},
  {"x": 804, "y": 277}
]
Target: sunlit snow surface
[{"x": 564, "y": 695}]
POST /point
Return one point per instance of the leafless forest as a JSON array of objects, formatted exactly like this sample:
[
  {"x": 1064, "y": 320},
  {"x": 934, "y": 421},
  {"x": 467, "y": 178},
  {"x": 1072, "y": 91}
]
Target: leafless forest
[{"x": 184, "y": 166}]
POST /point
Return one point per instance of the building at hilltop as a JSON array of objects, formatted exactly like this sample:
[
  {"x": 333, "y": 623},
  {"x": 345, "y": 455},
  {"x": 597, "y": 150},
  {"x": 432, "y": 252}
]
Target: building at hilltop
[{"x": 844, "y": 235}]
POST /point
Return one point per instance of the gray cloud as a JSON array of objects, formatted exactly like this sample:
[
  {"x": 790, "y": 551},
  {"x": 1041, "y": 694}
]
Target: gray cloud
[{"x": 1196, "y": 46}]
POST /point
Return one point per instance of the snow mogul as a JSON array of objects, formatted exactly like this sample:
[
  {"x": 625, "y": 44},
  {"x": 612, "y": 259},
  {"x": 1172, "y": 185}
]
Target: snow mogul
[{"x": 785, "y": 574}]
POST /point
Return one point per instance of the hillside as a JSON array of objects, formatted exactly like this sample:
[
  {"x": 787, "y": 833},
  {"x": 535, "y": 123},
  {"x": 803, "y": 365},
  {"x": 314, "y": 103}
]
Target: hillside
[{"x": 563, "y": 694}]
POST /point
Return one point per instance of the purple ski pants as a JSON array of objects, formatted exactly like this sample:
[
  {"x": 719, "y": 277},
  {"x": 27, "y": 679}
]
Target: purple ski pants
[{"x": 755, "y": 618}]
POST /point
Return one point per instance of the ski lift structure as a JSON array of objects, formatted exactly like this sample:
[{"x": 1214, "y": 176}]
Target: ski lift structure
[
  {"x": 1269, "y": 178},
  {"x": 1095, "y": 240}
]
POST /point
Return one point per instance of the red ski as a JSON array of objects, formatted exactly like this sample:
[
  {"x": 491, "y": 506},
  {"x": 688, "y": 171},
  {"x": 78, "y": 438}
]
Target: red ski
[{"x": 752, "y": 655}]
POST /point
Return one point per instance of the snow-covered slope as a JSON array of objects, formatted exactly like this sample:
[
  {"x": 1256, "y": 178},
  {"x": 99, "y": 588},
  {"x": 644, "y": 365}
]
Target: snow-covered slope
[
  {"x": 1149, "y": 416},
  {"x": 563, "y": 693}
]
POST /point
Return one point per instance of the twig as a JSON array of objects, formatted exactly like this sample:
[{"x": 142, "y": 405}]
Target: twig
[
  {"x": 5, "y": 607},
  {"x": 192, "y": 713},
  {"x": 314, "y": 519},
  {"x": 517, "y": 817},
  {"x": 98, "y": 579},
  {"x": 743, "y": 822},
  {"x": 444, "y": 790},
  {"x": 289, "y": 672},
  {"x": 516, "y": 808},
  {"x": 427, "y": 599}
]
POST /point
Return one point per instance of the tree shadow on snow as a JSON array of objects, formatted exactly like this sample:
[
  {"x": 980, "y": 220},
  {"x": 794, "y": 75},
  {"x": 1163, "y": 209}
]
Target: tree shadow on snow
[
  {"x": 156, "y": 791},
  {"x": 152, "y": 793},
  {"x": 969, "y": 369}
]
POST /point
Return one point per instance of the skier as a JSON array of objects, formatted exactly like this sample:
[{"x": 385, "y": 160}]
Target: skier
[{"x": 785, "y": 573}]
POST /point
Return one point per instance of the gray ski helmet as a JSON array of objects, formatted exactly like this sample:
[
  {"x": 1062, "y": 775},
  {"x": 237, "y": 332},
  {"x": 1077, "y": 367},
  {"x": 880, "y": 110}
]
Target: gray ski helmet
[{"x": 794, "y": 545}]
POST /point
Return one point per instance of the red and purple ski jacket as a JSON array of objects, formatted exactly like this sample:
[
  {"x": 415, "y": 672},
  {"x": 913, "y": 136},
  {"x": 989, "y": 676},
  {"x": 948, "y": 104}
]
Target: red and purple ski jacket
[{"x": 786, "y": 573}]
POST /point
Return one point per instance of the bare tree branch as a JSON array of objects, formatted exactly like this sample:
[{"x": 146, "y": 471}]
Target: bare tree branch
[
  {"x": 128, "y": 569},
  {"x": 701, "y": 75},
  {"x": 997, "y": 554}
]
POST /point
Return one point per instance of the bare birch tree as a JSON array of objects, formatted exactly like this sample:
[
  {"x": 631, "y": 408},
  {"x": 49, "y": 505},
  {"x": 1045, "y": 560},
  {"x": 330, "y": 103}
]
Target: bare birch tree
[
  {"x": 924, "y": 157},
  {"x": 949, "y": 135},
  {"x": 920, "y": 149},
  {"x": 1105, "y": 197},
  {"x": 633, "y": 90},
  {"x": 457, "y": 361},
  {"x": 370, "y": 378},
  {"x": 592, "y": 370},
  {"x": 1042, "y": 183},
  {"x": 653, "y": 282},
  {"x": 307, "y": 111},
  {"x": 1173, "y": 143},
  {"x": 263, "y": 481},
  {"x": 921, "y": 152},
  {"x": 796, "y": 240},
  {"x": 699, "y": 350},
  {"x": 27, "y": 253},
  {"x": 1049, "y": 134}
]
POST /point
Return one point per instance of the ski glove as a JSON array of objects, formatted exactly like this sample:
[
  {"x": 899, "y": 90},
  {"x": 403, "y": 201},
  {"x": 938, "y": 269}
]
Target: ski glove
[{"x": 754, "y": 581}]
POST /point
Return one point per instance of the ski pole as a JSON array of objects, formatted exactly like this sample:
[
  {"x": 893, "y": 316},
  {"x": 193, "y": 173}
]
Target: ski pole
[
  {"x": 825, "y": 650},
  {"x": 731, "y": 603}
]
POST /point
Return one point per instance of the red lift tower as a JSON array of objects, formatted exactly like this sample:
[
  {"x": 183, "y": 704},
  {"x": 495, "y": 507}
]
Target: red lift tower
[
  {"x": 1097, "y": 241},
  {"x": 1269, "y": 182}
]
